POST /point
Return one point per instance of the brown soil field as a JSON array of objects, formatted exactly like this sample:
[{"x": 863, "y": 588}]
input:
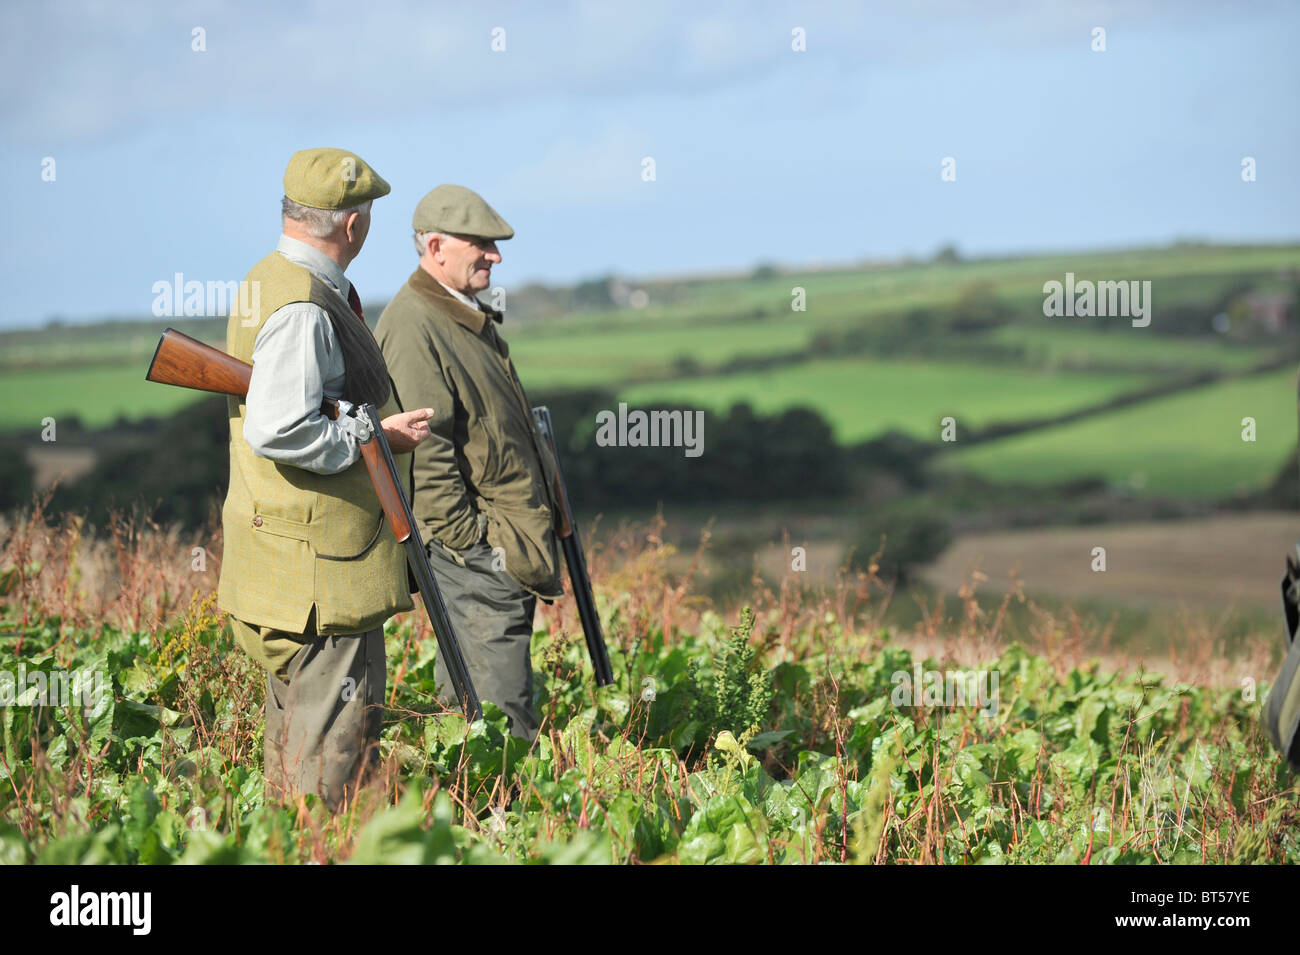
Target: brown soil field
[
  {"x": 1230, "y": 560},
  {"x": 50, "y": 464}
]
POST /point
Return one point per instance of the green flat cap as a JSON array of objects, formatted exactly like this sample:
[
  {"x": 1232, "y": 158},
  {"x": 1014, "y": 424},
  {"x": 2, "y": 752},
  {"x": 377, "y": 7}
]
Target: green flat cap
[
  {"x": 459, "y": 211},
  {"x": 331, "y": 179}
]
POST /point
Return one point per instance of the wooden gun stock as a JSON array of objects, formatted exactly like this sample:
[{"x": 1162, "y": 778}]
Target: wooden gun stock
[{"x": 188, "y": 363}]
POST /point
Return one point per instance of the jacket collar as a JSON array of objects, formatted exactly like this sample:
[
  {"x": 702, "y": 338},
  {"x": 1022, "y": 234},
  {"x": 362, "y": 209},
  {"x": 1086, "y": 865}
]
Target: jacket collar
[
  {"x": 472, "y": 318},
  {"x": 316, "y": 262}
]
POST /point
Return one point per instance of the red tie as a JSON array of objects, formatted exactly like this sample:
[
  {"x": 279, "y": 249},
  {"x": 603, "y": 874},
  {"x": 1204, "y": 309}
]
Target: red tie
[{"x": 355, "y": 301}]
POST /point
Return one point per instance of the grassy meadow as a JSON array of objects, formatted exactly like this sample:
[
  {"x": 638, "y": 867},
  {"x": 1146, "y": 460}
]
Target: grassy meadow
[
  {"x": 1051, "y": 346},
  {"x": 98, "y": 395},
  {"x": 863, "y": 398},
  {"x": 686, "y": 343},
  {"x": 1189, "y": 444}
]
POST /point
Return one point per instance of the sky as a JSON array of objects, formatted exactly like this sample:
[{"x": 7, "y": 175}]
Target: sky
[{"x": 169, "y": 159}]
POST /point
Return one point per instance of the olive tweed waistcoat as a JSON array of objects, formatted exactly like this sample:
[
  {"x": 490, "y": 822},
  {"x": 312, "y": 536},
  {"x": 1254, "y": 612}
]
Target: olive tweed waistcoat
[{"x": 296, "y": 540}]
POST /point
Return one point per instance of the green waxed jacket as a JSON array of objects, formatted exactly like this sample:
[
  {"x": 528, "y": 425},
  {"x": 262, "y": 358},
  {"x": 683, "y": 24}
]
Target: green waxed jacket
[{"x": 484, "y": 456}]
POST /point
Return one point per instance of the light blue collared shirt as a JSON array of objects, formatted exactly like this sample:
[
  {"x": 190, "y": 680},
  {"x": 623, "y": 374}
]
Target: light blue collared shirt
[{"x": 297, "y": 362}]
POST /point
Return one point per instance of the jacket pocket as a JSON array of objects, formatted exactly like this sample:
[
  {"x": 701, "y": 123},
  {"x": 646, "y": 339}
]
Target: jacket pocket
[
  {"x": 264, "y": 523},
  {"x": 268, "y": 577},
  {"x": 370, "y": 545},
  {"x": 358, "y": 592},
  {"x": 529, "y": 546}
]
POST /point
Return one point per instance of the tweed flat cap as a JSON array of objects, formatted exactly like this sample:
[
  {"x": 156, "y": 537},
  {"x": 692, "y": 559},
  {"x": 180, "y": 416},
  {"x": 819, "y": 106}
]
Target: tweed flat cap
[
  {"x": 459, "y": 211},
  {"x": 331, "y": 179}
]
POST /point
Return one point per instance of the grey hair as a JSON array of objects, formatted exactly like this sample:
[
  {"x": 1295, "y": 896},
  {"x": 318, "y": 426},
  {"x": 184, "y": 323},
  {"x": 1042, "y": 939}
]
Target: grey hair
[
  {"x": 421, "y": 240},
  {"x": 319, "y": 223}
]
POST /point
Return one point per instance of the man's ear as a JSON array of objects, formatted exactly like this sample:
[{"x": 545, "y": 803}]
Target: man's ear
[{"x": 350, "y": 224}]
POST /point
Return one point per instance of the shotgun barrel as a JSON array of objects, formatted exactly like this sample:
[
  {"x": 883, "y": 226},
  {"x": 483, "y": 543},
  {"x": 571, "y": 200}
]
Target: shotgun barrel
[
  {"x": 408, "y": 534},
  {"x": 576, "y": 560}
]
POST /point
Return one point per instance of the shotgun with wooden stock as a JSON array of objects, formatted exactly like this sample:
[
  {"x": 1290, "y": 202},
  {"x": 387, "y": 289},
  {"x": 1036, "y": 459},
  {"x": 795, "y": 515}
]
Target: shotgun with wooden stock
[
  {"x": 574, "y": 558},
  {"x": 188, "y": 363}
]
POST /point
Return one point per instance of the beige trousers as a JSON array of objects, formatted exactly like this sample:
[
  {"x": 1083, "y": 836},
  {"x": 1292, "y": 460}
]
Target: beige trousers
[{"x": 324, "y": 711}]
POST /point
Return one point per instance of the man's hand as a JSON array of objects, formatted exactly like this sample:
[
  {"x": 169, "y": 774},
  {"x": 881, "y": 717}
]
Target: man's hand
[{"x": 404, "y": 431}]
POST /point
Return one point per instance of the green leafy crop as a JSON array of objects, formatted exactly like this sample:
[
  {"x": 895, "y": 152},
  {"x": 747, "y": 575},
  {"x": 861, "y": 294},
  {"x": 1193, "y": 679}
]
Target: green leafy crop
[
  {"x": 734, "y": 692},
  {"x": 705, "y": 751}
]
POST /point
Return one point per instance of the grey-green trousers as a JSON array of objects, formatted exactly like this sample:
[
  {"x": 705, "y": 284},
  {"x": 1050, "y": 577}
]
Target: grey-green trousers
[
  {"x": 324, "y": 712},
  {"x": 493, "y": 618}
]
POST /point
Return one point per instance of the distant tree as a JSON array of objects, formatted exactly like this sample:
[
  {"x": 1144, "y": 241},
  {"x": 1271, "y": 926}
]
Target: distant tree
[
  {"x": 1284, "y": 491},
  {"x": 594, "y": 294},
  {"x": 786, "y": 456},
  {"x": 947, "y": 255},
  {"x": 909, "y": 539},
  {"x": 978, "y": 307},
  {"x": 898, "y": 453},
  {"x": 15, "y": 475},
  {"x": 684, "y": 366}
]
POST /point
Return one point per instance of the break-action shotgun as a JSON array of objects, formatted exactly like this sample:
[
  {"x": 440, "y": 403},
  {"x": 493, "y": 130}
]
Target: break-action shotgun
[{"x": 188, "y": 363}]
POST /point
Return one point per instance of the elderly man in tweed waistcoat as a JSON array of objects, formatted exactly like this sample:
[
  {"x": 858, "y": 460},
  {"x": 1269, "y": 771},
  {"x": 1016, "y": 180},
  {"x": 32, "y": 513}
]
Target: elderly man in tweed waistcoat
[{"x": 311, "y": 569}]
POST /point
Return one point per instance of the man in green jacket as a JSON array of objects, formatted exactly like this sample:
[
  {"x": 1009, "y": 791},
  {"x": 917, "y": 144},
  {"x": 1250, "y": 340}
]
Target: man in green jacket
[
  {"x": 483, "y": 480},
  {"x": 311, "y": 569}
]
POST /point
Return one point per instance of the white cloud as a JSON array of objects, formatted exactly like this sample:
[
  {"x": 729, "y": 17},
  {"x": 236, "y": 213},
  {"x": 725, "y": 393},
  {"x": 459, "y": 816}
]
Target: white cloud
[{"x": 82, "y": 71}]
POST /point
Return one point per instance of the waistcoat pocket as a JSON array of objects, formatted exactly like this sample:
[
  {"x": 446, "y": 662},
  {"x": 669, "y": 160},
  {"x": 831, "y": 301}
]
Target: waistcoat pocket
[{"x": 374, "y": 539}]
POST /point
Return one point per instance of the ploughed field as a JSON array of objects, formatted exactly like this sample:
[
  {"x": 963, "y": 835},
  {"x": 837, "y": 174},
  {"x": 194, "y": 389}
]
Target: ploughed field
[{"x": 1228, "y": 562}]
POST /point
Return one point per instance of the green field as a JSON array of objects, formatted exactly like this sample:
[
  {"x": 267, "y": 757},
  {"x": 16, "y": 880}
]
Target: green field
[
  {"x": 1187, "y": 444},
  {"x": 1056, "y": 345},
  {"x": 862, "y": 398},
  {"x": 877, "y": 348},
  {"x": 98, "y": 395},
  {"x": 839, "y": 298},
  {"x": 128, "y": 341},
  {"x": 585, "y": 359}
]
